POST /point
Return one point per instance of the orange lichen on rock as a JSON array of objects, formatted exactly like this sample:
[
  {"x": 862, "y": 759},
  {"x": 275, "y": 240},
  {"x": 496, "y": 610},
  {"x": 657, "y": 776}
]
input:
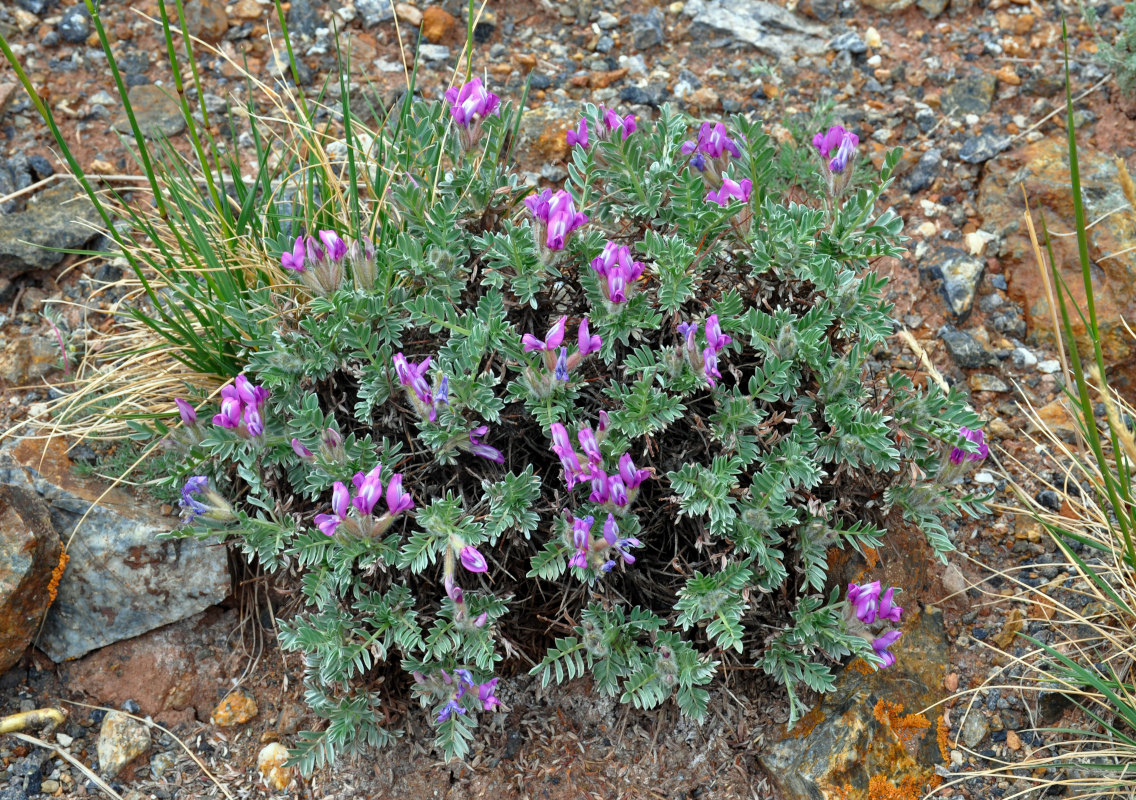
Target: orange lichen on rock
[
  {"x": 806, "y": 724},
  {"x": 861, "y": 666},
  {"x": 908, "y": 727},
  {"x": 941, "y": 738},
  {"x": 57, "y": 575},
  {"x": 872, "y": 556},
  {"x": 880, "y": 788}
]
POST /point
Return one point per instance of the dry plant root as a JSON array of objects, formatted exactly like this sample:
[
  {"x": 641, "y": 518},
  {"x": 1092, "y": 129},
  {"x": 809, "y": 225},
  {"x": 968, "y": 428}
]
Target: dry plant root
[{"x": 46, "y": 718}]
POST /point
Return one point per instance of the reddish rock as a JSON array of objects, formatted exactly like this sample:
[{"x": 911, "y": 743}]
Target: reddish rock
[
  {"x": 29, "y": 554},
  {"x": 437, "y": 24},
  {"x": 1043, "y": 167},
  {"x": 206, "y": 19}
]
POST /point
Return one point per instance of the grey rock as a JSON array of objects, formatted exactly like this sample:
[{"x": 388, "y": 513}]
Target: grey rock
[
  {"x": 37, "y": 7},
  {"x": 605, "y": 44},
  {"x": 60, "y": 217},
  {"x": 122, "y": 580},
  {"x": 822, "y": 10},
  {"x": 932, "y": 8},
  {"x": 974, "y": 729},
  {"x": 982, "y": 148},
  {"x": 971, "y": 94},
  {"x": 767, "y": 27},
  {"x": 966, "y": 351},
  {"x": 75, "y": 24},
  {"x": 121, "y": 740},
  {"x": 984, "y": 382},
  {"x": 29, "y": 552},
  {"x": 926, "y": 120},
  {"x": 650, "y": 95},
  {"x": 156, "y": 112},
  {"x": 961, "y": 6},
  {"x": 647, "y": 29},
  {"x": 1010, "y": 323},
  {"x": 960, "y": 273},
  {"x": 302, "y": 19},
  {"x": 372, "y": 12},
  {"x": 607, "y": 21},
  {"x": 434, "y": 52},
  {"x": 849, "y": 41},
  {"x": 925, "y": 171}
]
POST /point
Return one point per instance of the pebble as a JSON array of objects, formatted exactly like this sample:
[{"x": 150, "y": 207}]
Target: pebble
[
  {"x": 974, "y": 729},
  {"x": 121, "y": 740},
  {"x": 374, "y": 11},
  {"x": 75, "y": 24},
  {"x": 1049, "y": 366},
  {"x": 849, "y": 41},
  {"x": 434, "y": 52},
  {"x": 49, "y": 787},
  {"x": 270, "y": 764},
  {"x": 872, "y": 38},
  {"x": 982, "y": 148},
  {"x": 408, "y": 14},
  {"x": 960, "y": 274},
  {"x": 1023, "y": 357},
  {"x": 647, "y": 29},
  {"x": 965, "y": 349},
  {"x": 984, "y": 382},
  {"x": 237, "y": 708},
  {"x": 923, "y": 174}
]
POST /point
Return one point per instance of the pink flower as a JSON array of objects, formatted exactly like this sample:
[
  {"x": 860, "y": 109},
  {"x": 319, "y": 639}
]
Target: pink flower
[
  {"x": 729, "y": 191},
  {"x": 881, "y": 644},
  {"x": 977, "y": 437},
  {"x": 551, "y": 341},
  {"x": 578, "y": 137},
  {"x": 865, "y": 600},
  {"x": 472, "y": 559},
  {"x": 397, "y": 500},
  {"x": 471, "y": 103},
  {"x": 295, "y": 259},
  {"x": 586, "y": 342}
]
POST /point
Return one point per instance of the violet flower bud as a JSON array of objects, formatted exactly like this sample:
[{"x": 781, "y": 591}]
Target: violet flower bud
[
  {"x": 714, "y": 336},
  {"x": 552, "y": 339},
  {"x": 586, "y": 342},
  {"x": 299, "y": 449},
  {"x": 478, "y": 448},
  {"x": 472, "y": 559},
  {"x": 336, "y": 248},
  {"x": 327, "y": 523},
  {"x": 710, "y": 366},
  {"x": 888, "y": 610},
  {"x": 193, "y": 507},
  {"x": 561, "y": 371},
  {"x": 295, "y": 259},
  {"x": 589, "y": 445},
  {"x": 398, "y": 500},
  {"x": 562, "y": 220},
  {"x": 632, "y": 477},
  {"x": 881, "y": 644},
  {"x": 612, "y": 122},
  {"x": 578, "y": 137},
  {"x": 368, "y": 490},
  {"x": 187, "y": 413},
  {"x": 977, "y": 437}
]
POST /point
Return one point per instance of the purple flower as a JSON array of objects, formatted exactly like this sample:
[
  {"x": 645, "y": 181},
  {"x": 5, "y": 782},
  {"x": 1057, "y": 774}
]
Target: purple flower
[
  {"x": 617, "y": 492},
  {"x": 600, "y": 493},
  {"x": 689, "y": 330},
  {"x": 714, "y": 336},
  {"x": 587, "y": 438},
  {"x": 368, "y": 489},
  {"x": 889, "y": 610},
  {"x": 579, "y": 137},
  {"x": 881, "y": 644},
  {"x": 295, "y": 259},
  {"x": 612, "y": 122},
  {"x": 398, "y": 500},
  {"x": 582, "y": 539},
  {"x": 472, "y": 559},
  {"x": 299, "y": 449},
  {"x": 631, "y": 477},
  {"x": 562, "y": 219},
  {"x": 712, "y": 142},
  {"x": 552, "y": 339},
  {"x": 241, "y": 403},
  {"x": 562, "y": 446},
  {"x": 315, "y": 252},
  {"x": 327, "y": 523},
  {"x": 620, "y": 545},
  {"x": 604, "y": 421},
  {"x": 710, "y": 366},
  {"x": 561, "y": 371},
  {"x": 471, "y": 103},
  {"x": 865, "y": 600},
  {"x": 336, "y": 247},
  {"x": 836, "y": 146},
  {"x": 618, "y": 269},
  {"x": 485, "y": 694},
  {"x": 586, "y": 342},
  {"x": 187, "y": 412},
  {"x": 977, "y": 437},
  {"x": 451, "y": 707},
  {"x": 478, "y": 448},
  {"x": 537, "y": 204},
  {"x": 193, "y": 507},
  {"x": 414, "y": 376},
  {"x": 731, "y": 190}
]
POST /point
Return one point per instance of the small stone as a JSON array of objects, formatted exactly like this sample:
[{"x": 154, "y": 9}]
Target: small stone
[
  {"x": 997, "y": 427},
  {"x": 75, "y": 24},
  {"x": 155, "y": 111},
  {"x": 849, "y": 41},
  {"x": 206, "y": 19},
  {"x": 1049, "y": 366},
  {"x": 162, "y": 763},
  {"x": 270, "y": 764},
  {"x": 956, "y": 758},
  {"x": 974, "y": 729},
  {"x": 982, "y": 148},
  {"x": 1023, "y": 357},
  {"x": 247, "y": 9},
  {"x": 923, "y": 174},
  {"x": 1013, "y": 741},
  {"x": 983, "y": 382},
  {"x": 64, "y": 739},
  {"x": 822, "y": 10},
  {"x": 976, "y": 241},
  {"x": 952, "y": 682},
  {"x": 889, "y": 6},
  {"x": 237, "y": 708},
  {"x": 373, "y": 12},
  {"x": 437, "y": 24},
  {"x": 607, "y": 21},
  {"x": 1008, "y": 76},
  {"x": 873, "y": 39},
  {"x": 927, "y": 229},
  {"x": 965, "y": 349},
  {"x": 408, "y": 14},
  {"x": 25, "y": 20},
  {"x": 960, "y": 274},
  {"x": 121, "y": 740},
  {"x": 647, "y": 29},
  {"x": 302, "y": 19},
  {"x": 972, "y": 94},
  {"x": 705, "y": 98},
  {"x": 932, "y": 8},
  {"x": 49, "y": 787},
  {"x": 434, "y": 52}
]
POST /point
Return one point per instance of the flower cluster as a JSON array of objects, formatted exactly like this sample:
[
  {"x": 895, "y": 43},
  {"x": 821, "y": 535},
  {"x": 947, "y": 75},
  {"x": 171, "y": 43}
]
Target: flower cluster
[
  {"x": 866, "y": 604},
  {"x": 729, "y": 191},
  {"x": 602, "y": 551},
  {"x": 617, "y": 490},
  {"x": 242, "y": 405},
  {"x": 837, "y": 147},
  {"x": 558, "y": 363},
  {"x": 958, "y": 461},
  {"x": 710, "y": 153},
  {"x": 461, "y": 685},
  {"x": 469, "y": 106},
  {"x": 318, "y": 262},
  {"x": 355, "y": 515},
  {"x": 197, "y": 490},
  {"x": 425, "y": 398},
  {"x": 609, "y": 123},
  {"x": 618, "y": 271},
  {"x": 704, "y": 362},
  {"x": 554, "y": 217}
]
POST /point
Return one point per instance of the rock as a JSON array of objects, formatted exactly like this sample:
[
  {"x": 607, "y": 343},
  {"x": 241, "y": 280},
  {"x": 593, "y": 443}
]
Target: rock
[
  {"x": 121, "y": 581},
  {"x": 302, "y": 19},
  {"x": 821, "y": 10},
  {"x": 971, "y": 94},
  {"x": 923, "y": 174},
  {"x": 980, "y": 149},
  {"x": 37, "y": 7},
  {"x": 434, "y": 52},
  {"x": 121, "y": 740},
  {"x": 206, "y": 19},
  {"x": 29, "y": 555},
  {"x": 408, "y": 14},
  {"x": 650, "y": 95},
  {"x": 767, "y": 27},
  {"x": 1013, "y": 741},
  {"x": 932, "y": 8},
  {"x": 966, "y": 350},
  {"x": 1043, "y": 168},
  {"x": 237, "y": 708},
  {"x": 75, "y": 24},
  {"x": 889, "y": 6},
  {"x": 162, "y": 763},
  {"x": 58, "y": 217},
  {"x": 849, "y": 736},
  {"x": 437, "y": 24},
  {"x": 705, "y": 99},
  {"x": 28, "y": 358},
  {"x": 172, "y": 672},
  {"x": 982, "y": 382},
  {"x": 7, "y": 92},
  {"x": 974, "y": 728},
  {"x": 270, "y": 762},
  {"x": 373, "y": 12},
  {"x": 248, "y": 9},
  {"x": 156, "y": 112},
  {"x": 960, "y": 274},
  {"x": 849, "y": 41},
  {"x": 647, "y": 29}
]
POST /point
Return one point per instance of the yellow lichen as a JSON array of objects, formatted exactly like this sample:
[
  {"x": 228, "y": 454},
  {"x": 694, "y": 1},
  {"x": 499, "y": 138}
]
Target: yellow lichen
[
  {"x": 908, "y": 727},
  {"x": 872, "y": 556},
  {"x": 806, "y": 724},
  {"x": 941, "y": 738},
  {"x": 861, "y": 666}
]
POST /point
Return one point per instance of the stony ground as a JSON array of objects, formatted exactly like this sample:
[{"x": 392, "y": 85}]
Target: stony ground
[{"x": 968, "y": 91}]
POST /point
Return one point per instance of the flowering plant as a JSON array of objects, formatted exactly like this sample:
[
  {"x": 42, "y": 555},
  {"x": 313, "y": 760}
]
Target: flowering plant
[{"x": 657, "y": 381}]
